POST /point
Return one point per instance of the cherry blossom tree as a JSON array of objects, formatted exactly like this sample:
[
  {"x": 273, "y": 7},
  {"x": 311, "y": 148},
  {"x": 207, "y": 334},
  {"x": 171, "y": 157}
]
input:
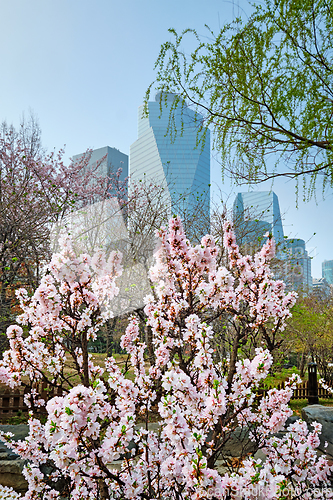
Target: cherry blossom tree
[
  {"x": 98, "y": 441},
  {"x": 36, "y": 190}
]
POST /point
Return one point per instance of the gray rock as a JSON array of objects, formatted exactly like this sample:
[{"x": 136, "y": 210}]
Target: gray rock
[
  {"x": 260, "y": 454},
  {"x": 238, "y": 443},
  {"x": 11, "y": 475},
  {"x": 323, "y": 415},
  {"x": 291, "y": 420},
  {"x": 20, "y": 432},
  {"x": 10, "y": 464}
]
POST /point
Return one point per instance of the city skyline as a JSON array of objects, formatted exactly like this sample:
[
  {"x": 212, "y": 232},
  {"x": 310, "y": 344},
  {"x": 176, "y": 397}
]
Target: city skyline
[
  {"x": 258, "y": 207},
  {"x": 86, "y": 90}
]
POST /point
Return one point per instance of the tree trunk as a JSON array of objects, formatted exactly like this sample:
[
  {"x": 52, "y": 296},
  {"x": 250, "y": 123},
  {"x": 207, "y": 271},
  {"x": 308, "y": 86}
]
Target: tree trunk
[
  {"x": 303, "y": 364},
  {"x": 216, "y": 435},
  {"x": 150, "y": 346},
  {"x": 110, "y": 325},
  {"x": 85, "y": 357},
  {"x": 233, "y": 360},
  {"x": 5, "y": 319},
  {"x": 104, "y": 490}
]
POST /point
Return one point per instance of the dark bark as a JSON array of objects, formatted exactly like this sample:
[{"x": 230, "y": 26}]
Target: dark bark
[
  {"x": 150, "y": 346},
  {"x": 303, "y": 364},
  {"x": 104, "y": 490},
  {"x": 85, "y": 359}
]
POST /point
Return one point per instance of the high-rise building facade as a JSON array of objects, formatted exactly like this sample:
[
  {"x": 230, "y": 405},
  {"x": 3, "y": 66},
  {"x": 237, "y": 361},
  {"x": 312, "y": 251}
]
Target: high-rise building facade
[
  {"x": 178, "y": 165},
  {"x": 102, "y": 223},
  {"x": 327, "y": 271},
  {"x": 256, "y": 213},
  {"x": 297, "y": 263},
  {"x": 321, "y": 289},
  {"x": 110, "y": 160}
]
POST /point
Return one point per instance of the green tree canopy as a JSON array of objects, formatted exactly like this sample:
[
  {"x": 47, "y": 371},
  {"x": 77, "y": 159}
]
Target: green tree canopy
[{"x": 264, "y": 86}]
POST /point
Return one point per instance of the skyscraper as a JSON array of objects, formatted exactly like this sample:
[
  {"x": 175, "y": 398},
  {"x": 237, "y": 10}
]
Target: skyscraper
[
  {"x": 321, "y": 289},
  {"x": 256, "y": 213},
  {"x": 297, "y": 273},
  {"x": 178, "y": 165},
  {"x": 327, "y": 271},
  {"x": 102, "y": 223},
  {"x": 111, "y": 159}
]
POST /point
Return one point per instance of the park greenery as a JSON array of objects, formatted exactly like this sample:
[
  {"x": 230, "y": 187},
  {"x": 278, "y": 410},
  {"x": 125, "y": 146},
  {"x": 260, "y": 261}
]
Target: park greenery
[
  {"x": 310, "y": 332},
  {"x": 264, "y": 87},
  {"x": 215, "y": 328}
]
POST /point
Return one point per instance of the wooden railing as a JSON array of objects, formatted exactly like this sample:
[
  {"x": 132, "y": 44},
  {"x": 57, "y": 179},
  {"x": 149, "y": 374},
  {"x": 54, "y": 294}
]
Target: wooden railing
[
  {"x": 302, "y": 391},
  {"x": 11, "y": 401}
]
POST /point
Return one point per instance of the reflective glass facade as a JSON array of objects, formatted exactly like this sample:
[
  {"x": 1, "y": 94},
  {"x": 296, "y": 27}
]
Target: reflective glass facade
[
  {"x": 113, "y": 159},
  {"x": 327, "y": 271},
  {"x": 297, "y": 273},
  {"x": 255, "y": 213},
  {"x": 179, "y": 165}
]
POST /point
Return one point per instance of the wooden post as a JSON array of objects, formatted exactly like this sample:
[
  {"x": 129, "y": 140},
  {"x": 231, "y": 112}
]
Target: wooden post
[{"x": 313, "y": 384}]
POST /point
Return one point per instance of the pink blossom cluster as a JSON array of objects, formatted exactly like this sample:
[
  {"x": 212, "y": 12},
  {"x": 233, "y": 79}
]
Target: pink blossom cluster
[
  {"x": 265, "y": 296},
  {"x": 7, "y": 493},
  {"x": 324, "y": 385},
  {"x": 71, "y": 304},
  {"x": 99, "y": 442}
]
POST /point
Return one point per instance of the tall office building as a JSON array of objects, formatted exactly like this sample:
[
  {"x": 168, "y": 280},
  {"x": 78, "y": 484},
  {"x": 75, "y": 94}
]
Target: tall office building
[
  {"x": 101, "y": 224},
  {"x": 297, "y": 265},
  {"x": 256, "y": 213},
  {"x": 321, "y": 288},
  {"x": 327, "y": 271},
  {"x": 178, "y": 165},
  {"x": 109, "y": 159}
]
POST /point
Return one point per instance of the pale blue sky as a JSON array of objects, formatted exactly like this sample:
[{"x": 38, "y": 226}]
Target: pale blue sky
[{"x": 82, "y": 66}]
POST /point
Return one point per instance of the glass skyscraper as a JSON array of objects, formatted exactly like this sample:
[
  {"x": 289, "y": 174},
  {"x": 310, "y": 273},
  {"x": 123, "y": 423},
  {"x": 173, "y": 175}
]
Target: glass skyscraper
[
  {"x": 178, "y": 164},
  {"x": 101, "y": 223},
  {"x": 297, "y": 273},
  {"x": 327, "y": 271},
  {"x": 254, "y": 214},
  {"x": 109, "y": 159}
]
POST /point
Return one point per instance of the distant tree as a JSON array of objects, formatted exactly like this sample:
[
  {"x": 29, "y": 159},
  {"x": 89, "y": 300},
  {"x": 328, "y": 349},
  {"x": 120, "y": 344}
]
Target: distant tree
[
  {"x": 36, "y": 190},
  {"x": 265, "y": 88},
  {"x": 309, "y": 332}
]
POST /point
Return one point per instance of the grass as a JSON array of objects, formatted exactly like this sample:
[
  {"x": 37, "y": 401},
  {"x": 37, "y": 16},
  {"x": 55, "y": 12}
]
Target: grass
[
  {"x": 295, "y": 404},
  {"x": 282, "y": 376},
  {"x": 97, "y": 358},
  {"x": 20, "y": 418},
  {"x": 298, "y": 404}
]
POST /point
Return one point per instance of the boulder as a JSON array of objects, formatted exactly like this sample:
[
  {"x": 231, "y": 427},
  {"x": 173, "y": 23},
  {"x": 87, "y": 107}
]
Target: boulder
[
  {"x": 10, "y": 464},
  {"x": 239, "y": 443},
  {"x": 20, "y": 432},
  {"x": 324, "y": 416},
  {"x": 11, "y": 475}
]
